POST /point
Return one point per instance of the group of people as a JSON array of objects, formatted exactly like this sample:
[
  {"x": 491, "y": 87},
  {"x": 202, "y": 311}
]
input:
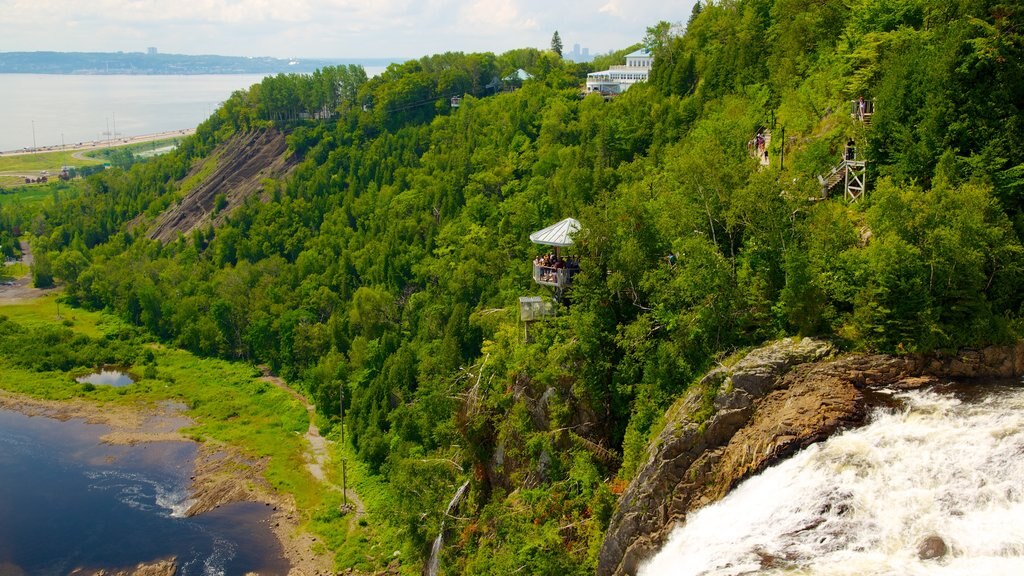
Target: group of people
[
  {"x": 548, "y": 265},
  {"x": 759, "y": 147}
]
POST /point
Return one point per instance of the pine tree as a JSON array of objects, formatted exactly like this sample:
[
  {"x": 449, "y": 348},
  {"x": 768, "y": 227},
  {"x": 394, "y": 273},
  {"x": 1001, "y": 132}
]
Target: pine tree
[{"x": 556, "y": 44}]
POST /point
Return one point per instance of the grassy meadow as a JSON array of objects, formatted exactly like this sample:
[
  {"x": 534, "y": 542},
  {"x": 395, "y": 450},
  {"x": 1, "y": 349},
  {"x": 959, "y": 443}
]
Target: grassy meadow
[
  {"x": 13, "y": 190},
  {"x": 50, "y": 161}
]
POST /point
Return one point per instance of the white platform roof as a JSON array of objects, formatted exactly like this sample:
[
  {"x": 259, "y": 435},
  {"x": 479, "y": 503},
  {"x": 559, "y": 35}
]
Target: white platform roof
[{"x": 559, "y": 234}]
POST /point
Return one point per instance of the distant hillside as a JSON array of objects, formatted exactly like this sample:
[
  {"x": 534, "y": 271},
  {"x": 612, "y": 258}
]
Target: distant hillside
[{"x": 142, "y": 63}]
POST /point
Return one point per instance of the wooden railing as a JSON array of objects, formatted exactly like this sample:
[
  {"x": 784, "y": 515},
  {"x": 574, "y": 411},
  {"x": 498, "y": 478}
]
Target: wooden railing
[{"x": 862, "y": 110}]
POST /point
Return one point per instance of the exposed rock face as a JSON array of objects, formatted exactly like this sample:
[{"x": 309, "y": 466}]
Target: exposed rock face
[
  {"x": 688, "y": 453},
  {"x": 239, "y": 168},
  {"x": 931, "y": 548},
  {"x": 158, "y": 568},
  {"x": 770, "y": 404}
]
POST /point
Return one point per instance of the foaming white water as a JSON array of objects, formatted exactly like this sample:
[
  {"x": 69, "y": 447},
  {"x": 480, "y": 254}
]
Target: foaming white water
[
  {"x": 862, "y": 502},
  {"x": 434, "y": 563},
  {"x": 216, "y": 563},
  {"x": 142, "y": 492}
]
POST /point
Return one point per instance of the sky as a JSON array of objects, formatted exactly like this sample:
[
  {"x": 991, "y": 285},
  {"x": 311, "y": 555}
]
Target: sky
[{"x": 328, "y": 28}]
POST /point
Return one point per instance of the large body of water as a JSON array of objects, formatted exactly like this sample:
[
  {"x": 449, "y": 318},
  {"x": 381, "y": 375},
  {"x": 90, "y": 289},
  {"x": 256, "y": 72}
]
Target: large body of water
[
  {"x": 85, "y": 108},
  {"x": 863, "y": 502},
  {"x": 51, "y": 110},
  {"x": 67, "y": 501}
]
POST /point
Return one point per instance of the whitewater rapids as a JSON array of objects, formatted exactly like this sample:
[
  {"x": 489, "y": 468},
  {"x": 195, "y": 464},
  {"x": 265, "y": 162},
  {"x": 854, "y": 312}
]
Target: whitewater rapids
[{"x": 863, "y": 502}]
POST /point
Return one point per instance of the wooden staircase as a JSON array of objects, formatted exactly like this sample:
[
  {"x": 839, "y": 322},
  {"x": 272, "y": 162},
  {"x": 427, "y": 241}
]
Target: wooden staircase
[
  {"x": 836, "y": 177},
  {"x": 851, "y": 175}
]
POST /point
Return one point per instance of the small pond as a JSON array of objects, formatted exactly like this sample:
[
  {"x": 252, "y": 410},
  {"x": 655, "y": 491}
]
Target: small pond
[{"x": 107, "y": 377}]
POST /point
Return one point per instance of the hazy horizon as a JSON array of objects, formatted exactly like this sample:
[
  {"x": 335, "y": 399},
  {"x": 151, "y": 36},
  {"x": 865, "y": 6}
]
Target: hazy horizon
[{"x": 328, "y": 29}]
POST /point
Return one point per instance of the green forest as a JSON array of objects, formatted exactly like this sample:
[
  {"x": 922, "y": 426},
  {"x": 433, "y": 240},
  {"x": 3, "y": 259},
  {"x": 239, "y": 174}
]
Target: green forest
[{"x": 383, "y": 273}]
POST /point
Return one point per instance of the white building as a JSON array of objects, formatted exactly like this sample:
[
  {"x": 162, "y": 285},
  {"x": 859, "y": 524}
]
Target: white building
[{"x": 618, "y": 79}]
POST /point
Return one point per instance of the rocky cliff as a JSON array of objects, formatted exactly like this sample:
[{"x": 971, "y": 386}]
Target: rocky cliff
[
  {"x": 237, "y": 170},
  {"x": 742, "y": 418}
]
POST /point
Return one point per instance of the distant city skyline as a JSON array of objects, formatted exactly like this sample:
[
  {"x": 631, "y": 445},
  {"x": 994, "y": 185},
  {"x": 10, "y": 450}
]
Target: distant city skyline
[
  {"x": 328, "y": 28},
  {"x": 578, "y": 53}
]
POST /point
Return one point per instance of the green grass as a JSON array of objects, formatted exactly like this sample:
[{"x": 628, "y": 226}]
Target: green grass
[
  {"x": 46, "y": 310},
  {"x": 13, "y": 271},
  {"x": 367, "y": 544},
  {"x": 24, "y": 194},
  {"x": 51, "y": 161},
  {"x": 204, "y": 172}
]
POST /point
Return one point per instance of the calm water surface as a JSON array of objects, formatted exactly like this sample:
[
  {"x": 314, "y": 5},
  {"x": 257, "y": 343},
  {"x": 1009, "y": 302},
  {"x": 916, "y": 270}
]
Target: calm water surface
[
  {"x": 83, "y": 108},
  {"x": 114, "y": 378},
  {"x": 67, "y": 501}
]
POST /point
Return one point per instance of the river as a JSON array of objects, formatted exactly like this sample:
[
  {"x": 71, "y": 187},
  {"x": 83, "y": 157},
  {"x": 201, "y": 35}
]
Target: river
[
  {"x": 38, "y": 110},
  {"x": 69, "y": 501},
  {"x": 863, "y": 502}
]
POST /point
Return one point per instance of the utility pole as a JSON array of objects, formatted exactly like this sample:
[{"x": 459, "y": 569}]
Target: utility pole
[
  {"x": 344, "y": 482},
  {"x": 341, "y": 406},
  {"x": 782, "y": 153},
  {"x": 33, "y": 135}
]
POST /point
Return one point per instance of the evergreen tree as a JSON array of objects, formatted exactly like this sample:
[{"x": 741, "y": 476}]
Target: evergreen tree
[
  {"x": 556, "y": 44},
  {"x": 697, "y": 9}
]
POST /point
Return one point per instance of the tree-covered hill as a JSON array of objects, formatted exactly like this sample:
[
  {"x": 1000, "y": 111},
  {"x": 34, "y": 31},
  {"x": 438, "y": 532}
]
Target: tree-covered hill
[{"x": 389, "y": 263}]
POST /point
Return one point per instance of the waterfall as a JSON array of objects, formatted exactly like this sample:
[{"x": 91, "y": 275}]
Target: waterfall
[
  {"x": 435, "y": 550},
  {"x": 869, "y": 501}
]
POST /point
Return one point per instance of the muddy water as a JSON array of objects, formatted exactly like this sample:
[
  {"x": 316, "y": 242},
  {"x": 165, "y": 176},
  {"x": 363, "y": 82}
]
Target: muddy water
[{"x": 67, "y": 501}]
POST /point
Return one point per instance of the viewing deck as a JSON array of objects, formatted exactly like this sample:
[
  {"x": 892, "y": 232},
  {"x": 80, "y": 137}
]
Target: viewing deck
[
  {"x": 862, "y": 110},
  {"x": 555, "y": 277}
]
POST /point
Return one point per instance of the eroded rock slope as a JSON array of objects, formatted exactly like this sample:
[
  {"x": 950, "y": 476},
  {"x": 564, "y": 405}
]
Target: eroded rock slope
[{"x": 238, "y": 171}]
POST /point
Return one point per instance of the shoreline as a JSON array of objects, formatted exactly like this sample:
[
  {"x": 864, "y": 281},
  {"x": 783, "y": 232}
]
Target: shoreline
[
  {"x": 100, "y": 144},
  {"x": 221, "y": 474}
]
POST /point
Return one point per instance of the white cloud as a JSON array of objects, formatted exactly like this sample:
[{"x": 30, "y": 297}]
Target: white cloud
[
  {"x": 328, "y": 28},
  {"x": 611, "y": 8},
  {"x": 491, "y": 16}
]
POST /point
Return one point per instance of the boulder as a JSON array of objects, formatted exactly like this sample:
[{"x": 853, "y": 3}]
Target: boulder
[{"x": 931, "y": 548}]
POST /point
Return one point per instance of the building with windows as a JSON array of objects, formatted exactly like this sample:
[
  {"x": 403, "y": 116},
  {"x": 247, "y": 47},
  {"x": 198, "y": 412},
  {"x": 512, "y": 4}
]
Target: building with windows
[{"x": 618, "y": 79}]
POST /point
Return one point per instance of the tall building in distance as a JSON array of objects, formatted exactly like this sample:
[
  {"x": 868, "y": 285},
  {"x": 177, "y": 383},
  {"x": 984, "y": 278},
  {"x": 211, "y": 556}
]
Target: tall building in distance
[
  {"x": 578, "y": 55},
  {"x": 151, "y": 50}
]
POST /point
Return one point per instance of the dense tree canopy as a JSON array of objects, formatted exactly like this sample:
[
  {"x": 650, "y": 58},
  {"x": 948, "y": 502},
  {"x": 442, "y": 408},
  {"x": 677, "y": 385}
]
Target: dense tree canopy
[{"x": 389, "y": 262}]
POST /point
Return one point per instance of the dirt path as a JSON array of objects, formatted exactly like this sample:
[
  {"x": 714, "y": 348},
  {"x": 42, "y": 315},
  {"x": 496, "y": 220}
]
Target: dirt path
[
  {"x": 22, "y": 290},
  {"x": 316, "y": 458}
]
